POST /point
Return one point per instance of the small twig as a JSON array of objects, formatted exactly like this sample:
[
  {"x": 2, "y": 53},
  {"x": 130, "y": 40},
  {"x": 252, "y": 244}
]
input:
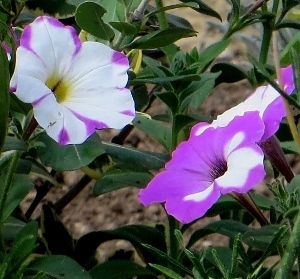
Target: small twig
[
  {"x": 41, "y": 192},
  {"x": 256, "y": 6},
  {"x": 246, "y": 201},
  {"x": 70, "y": 195},
  {"x": 140, "y": 10}
]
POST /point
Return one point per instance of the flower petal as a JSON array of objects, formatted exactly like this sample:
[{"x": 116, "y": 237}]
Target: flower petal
[
  {"x": 193, "y": 206},
  {"x": 98, "y": 65},
  {"x": 30, "y": 89},
  {"x": 115, "y": 107},
  {"x": 245, "y": 171},
  {"x": 60, "y": 123},
  {"x": 52, "y": 42},
  {"x": 288, "y": 79},
  {"x": 171, "y": 184}
]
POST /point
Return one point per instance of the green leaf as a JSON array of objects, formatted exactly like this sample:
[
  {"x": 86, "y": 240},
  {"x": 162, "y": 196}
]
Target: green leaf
[
  {"x": 220, "y": 257},
  {"x": 204, "y": 9},
  {"x": 89, "y": 17},
  {"x": 124, "y": 27},
  {"x": 164, "y": 80},
  {"x": 11, "y": 228},
  {"x": 140, "y": 96},
  {"x": 117, "y": 178},
  {"x": 143, "y": 159},
  {"x": 262, "y": 237},
  {"x": 296, "y": 74},
  {"x": 120, "y": 269},
  {"x": 161, "y": 38},
  {"x": 135, "y": 234},
  {"x": 170, "y": 99},
  {"x": 228, "y": 228},
  {"x": 69, "y": 157},
  {"x": 166, "y": 271},
  {"x": 229, "y": 73},
  {"x": 155, "y": 129},
  {"x": 195, "y": 94},
  {"x": 4, "y": 95},
  {"x": 12, "y": 143},
  {"x": 116, "y": 11},
  {"x": 22, "y": 247},
  {"x": 288, "y": 24},
  {"x": 18, "y": 106},
  {"x": 285, "y": 53},
  {"x": 20, "y": 187},
  {"x": 59, "y": 267},
  {"x": 57, "y": 239},
  {"x": 55, "y": 8},
  {"x": 289, "y": 147},
  {"x": 164, "y": 257},
  {"x": 211, "y": 52}
]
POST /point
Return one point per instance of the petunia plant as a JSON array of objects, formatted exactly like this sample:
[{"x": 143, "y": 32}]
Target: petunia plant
[{"x": 78, "y": 78}]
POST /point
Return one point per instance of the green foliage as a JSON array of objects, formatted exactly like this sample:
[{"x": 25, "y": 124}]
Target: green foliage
[
  {"x": 4, "y": 95},
  {"x": 70, "y": 157},
  {"x": 120, "y": 269},
  {"x": 89, "y": 18}
]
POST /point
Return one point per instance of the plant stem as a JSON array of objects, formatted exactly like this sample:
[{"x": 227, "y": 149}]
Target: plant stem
[
  {"x": 70, "y": 195},
  {"x": 41, "y": 192},
  {"x": 256, "y": 6},
  {"x": 30, "y": 128},
  {"x": 140, "y": 10},
  {"x": 265, "y": 44},
  {"x": 162, "y": 19},
  {"x": 291, "y": 252},
  {"x": 172, "y": 244}
]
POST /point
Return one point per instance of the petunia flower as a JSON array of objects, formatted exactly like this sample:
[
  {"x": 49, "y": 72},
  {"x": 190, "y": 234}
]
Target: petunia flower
[
  {"x": 218, "y": 161},
  {"x": 74, "y": 88},
  {"x": 265, "y": 99}
]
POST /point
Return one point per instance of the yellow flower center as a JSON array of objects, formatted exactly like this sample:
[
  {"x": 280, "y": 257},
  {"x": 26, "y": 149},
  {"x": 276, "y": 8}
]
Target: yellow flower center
[{"x": 59, "y": 87}]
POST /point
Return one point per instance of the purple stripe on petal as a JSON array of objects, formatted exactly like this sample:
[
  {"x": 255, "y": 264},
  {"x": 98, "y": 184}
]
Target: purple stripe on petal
[
  {"x": 128, "y": 112},
  {"x": 63, "y": 138},
  {"x": 35, "y": 103},
  {"x": 119, "y": 58},
  {"x": 91, "y": 124},
  {"x": 26, "y": 37},
  {"x": 76, "y": 40},
  {"x": 13, "y": 88}
]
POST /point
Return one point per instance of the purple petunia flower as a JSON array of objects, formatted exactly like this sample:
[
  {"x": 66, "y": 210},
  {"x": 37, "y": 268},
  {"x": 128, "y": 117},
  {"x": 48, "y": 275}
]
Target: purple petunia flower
[
  {"x": 218, "y": 161},
  {"x": 74, "y": 88},
  {"x": 265, "y": 99}
]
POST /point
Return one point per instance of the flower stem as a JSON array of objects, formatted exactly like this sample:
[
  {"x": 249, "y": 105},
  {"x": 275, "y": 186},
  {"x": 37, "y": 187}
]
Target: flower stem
[
  {"x": 171, "y": 237},
  {"x": 70, "y": 195},
  {"x": 265, "y": 44},
  {"x": 291, "y": 252},
  {"x": 30, "y": 128},
  {"x": 247, "y": 201}
]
